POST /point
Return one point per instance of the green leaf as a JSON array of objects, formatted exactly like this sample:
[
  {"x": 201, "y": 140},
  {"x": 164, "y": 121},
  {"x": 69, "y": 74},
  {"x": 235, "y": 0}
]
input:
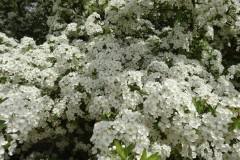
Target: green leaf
[
  {"x": 2, "y": 100},
  {"x": 3, "y": 80},
  {"x": 109, "y": 116},
  {"x": 130, "y": 148},
  {"x": 34, "y": 65},
  {"x": 131, "y": 157},
  {"x": 154, "y": 156},
  {"x": 120, "y": 150},
  {"x": 105, "y": 117},
  {"x": 202, "y": 107},
  {"x": 114, "y": 8},
  {"x": 79, "y": 88},
  {"x": 144, "y": 155},
  {"x": 52, "y": 60},
  {"x": 134, "y": 87},
  {"x": 205, "y": 45},
  {"x": 235, "y": 124},
  {"x": 198, "y": 106},
  {"x": 2, "y": 124},
  {"x": 142, "y": 92}
]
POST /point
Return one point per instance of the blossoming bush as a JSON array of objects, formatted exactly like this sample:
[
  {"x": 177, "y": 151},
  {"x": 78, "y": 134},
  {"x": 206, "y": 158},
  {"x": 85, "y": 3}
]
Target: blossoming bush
[{"x": 120, "y": 79}]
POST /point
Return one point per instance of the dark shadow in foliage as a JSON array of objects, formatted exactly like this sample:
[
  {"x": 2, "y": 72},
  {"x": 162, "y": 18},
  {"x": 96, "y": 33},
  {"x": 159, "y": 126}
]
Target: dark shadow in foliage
[{"x": 19, "y": 18}]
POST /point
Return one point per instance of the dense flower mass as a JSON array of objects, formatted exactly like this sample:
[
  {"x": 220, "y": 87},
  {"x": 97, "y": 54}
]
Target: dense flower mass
[{"x": 120, "y": 79}]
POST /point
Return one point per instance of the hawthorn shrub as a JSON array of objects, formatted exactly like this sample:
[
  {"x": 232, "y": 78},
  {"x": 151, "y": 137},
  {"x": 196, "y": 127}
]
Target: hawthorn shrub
[{"x": 120, "y": 79}]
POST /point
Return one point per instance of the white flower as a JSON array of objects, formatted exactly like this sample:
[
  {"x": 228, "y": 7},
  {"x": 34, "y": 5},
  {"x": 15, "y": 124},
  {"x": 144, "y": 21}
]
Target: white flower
[
  {"x": 71, "y": 27},
  {"x": 91, "y": 26},
  {"x": 2, "y": 141},
  {"x": 163, "y": 150},
  {"x": 210, "y": 32}
]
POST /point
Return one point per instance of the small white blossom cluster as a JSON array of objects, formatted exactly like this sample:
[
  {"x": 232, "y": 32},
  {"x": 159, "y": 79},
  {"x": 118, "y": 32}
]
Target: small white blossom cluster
[
  {"x": 176, "y": 37},
  {"x": 106, "y": 132},
  {"x": 22, "y": 110},
  {"x": 71, "y": 28},
  {"x": 163, "y": 150},
  {"x": 91, "y": 26},
  {"x": 116, "y": 74}
]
